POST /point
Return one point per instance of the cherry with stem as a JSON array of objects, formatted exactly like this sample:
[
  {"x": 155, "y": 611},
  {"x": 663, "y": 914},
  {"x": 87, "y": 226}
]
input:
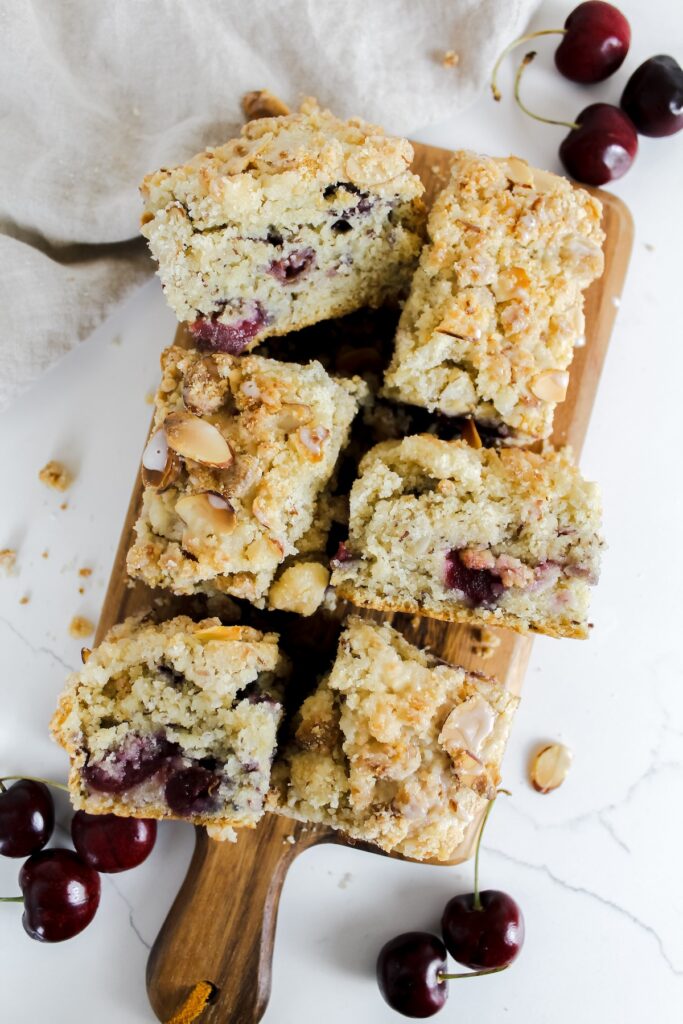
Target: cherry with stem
[
  {"x": 483, "y": 929},
  {"x": 602, "y": 141}
]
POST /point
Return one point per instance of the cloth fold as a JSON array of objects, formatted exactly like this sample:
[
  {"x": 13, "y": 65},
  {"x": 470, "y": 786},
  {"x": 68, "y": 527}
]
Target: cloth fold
[{"x": 96, "y": 95}]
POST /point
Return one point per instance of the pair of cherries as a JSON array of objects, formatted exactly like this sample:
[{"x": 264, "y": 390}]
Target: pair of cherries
[
  {"x": 481, "y": 930},
  {"x": 60, "y": 887},
  {"x": 603, "y": 141}
]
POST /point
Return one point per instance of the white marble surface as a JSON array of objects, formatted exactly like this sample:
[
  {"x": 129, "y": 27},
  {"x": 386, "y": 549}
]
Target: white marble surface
[{"x": 596, "y": 865}]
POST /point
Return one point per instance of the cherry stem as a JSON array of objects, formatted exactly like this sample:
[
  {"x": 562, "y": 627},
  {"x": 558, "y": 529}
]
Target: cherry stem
[
  {"x": 476, "y": 902},
  {"x": 472, "y": 974},
  {"x": 31, "y": 778},
  {"x": 515, "y": 43},
  {"x": 518, "y": 99},
  {"x": 11, "y": 899}
]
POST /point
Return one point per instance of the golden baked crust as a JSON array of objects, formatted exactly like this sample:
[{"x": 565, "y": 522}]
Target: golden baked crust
[
  {"x": 301, "y": 218},
  {"x": 183, "y": 695},
  {"x": 496, "y": 537},
  {"x": 394, "y": 747},
  {"x": 496, "y": 306},
  {"x": 284, "y": 425}
]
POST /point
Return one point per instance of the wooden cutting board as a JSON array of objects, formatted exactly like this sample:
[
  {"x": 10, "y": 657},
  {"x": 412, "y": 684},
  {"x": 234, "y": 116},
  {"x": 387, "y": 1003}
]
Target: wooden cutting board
[{"x": 221, "y": 927}]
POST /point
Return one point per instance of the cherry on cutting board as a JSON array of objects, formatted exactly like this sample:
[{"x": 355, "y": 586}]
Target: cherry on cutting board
[
  {"x": 27, "y": 817},
  {"x": 110, "y": 844},
  {"x": 601, "y": 146},
  {"x": 595, "y": 42},
  {"x": 483, "y": 930},
  {"x": 653, "y": 97},
  {"x": 60, "y": 895}
]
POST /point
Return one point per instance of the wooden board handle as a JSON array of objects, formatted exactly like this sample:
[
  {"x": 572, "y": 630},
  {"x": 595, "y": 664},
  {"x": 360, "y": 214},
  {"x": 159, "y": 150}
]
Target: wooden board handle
[{"x": 230, "y": 943}]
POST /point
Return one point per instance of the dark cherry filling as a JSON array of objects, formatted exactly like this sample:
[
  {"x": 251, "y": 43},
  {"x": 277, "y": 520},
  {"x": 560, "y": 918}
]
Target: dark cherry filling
[
  {"x": 344, "y": 553},
  {"x": 129, "y": 765},
  {"x": 192, "y": 791},
  {"x": 170, "y": 675},
  {"x": 340, "y": 227},
  {"x": 274, "y": 237},
  {"x": 255, "y": 695},
  {"x": 293, "y": 266},
  {"x": 213, "y": 336},
  {"x": 480, "y": 586},
  {"x": 348, "y": 186}
]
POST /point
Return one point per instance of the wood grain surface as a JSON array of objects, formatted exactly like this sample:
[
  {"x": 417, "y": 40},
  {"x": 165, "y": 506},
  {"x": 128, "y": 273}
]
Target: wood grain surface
[{"x": 221, "y": 927}]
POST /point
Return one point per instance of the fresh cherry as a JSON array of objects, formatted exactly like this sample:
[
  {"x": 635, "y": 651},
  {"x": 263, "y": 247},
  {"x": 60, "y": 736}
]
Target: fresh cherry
[
  {"x": 108, "y": 843},
  {"x": 61, "y": 895},
  {"x": 409, "y": 974},
  {"x": 595, "y": 42},
  {"x": 483, "y": 930},
  {"x": 601, "y": 146},
  {"x": 653, "y": 97},
  {"x": 27, "y": 817}
]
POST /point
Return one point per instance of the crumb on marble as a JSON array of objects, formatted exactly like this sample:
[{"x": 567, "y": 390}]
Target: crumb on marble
[
  {"x": 45, "y": 554},
  {"x": 85, "y": 572},
  {"x": 25, "y": 599},
  {"x": 81, "y": 590},
  {"x": 80, "y": 627},
  {"x": 8, "y": 562},
  {"x": 649, "y": 246},
  {"x": 56, "y": 475},
  {"x": 344, "y": 880},
  {"x": 450, "y": 59},
  {"x": 149, "y": 398},
  {"x": 64, "y": 506}
]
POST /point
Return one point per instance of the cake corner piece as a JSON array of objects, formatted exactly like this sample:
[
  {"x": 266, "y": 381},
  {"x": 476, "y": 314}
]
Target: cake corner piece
[
  {"x": 176, "y": 720},
  {"x": 301, "y": 218},
  {"x": 394, "y": 748},
  {"x": 496, "y": 305}
]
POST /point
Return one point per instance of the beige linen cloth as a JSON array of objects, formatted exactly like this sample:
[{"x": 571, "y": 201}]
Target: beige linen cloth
[{"x": 96, "y": 93}]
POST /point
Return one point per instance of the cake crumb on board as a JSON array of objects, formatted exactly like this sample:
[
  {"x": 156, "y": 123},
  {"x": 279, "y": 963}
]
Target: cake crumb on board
[{"x": 8, "y": 562}]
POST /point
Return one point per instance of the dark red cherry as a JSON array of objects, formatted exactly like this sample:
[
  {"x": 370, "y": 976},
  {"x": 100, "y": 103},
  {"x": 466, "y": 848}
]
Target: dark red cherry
[
  {"x": 479, "y": 586},
  {"x": 409, "y": 970},
  {"x": 212, "y": 335},
  {"x": 293, "y": 266},
  {"x": 27, "y": 818},
  {"x": 596, "y": 41},
  {"x": 136, "y": 760},
  {"x": 653, "y": 97},
  {"x": 482, "y": 937},
  {"x": 61, "y": 895},
  {"x": 602, "y": 147},
  {"x": 192, "y": 791},
  {"x": 108, "y": 843}
]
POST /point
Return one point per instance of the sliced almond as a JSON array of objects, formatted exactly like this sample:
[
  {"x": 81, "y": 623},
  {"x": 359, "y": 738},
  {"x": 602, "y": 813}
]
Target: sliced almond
[
  {"x": 210, "y": 633},
  {"x": 206, "y": 513},
  {"x": 471, "y": 434},
  {"x": 550, "y": 767},
  {"x": 310, "y": 442},
  {"x": 160, "y": 466},
  {"x": 467, "y": 726},
  {"x": 196, "y": 439},
  {"x": 518, "y": 171},
  {"x": 85, "y": 654},
  {"x": 293, "y": 415},
  {"x": 551, "y": 385}
]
